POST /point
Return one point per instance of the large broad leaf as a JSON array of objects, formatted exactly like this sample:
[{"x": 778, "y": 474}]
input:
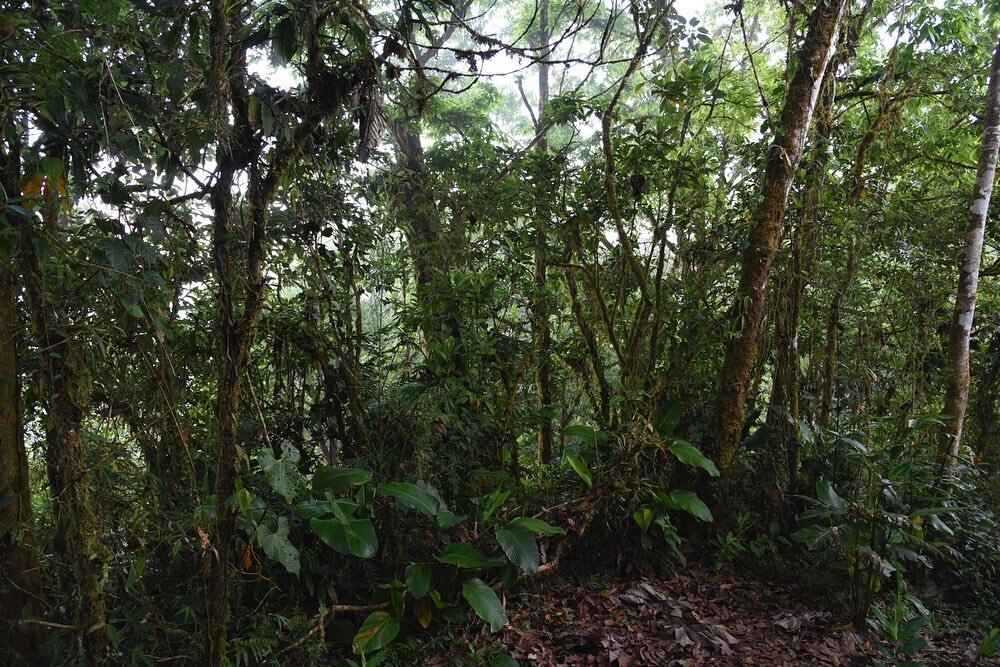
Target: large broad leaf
[
  {"x": 537, "y": 526},
  {"x": 580, "y": 468},
  {"x": 485, "y": 603},
  {"x": 314, "y": 509},
  {"x": 689, "y": 501},
  {"x": 284, "y": 39},
  {"x": 282, "y": 474},
  {"x": 465, "y": 556},
  {"x": 829, "y": 497},
  {"x": 412, "y": 496},
  {"x": 691, "y": 455},
  {"x": 666, "y": 419},
  {"x": 328, "y": 479},
  {"x": 418, "y": 580},
  {"x": 376, "y": 632},
  {"x": 277, "y": 547},
  {"x": 446, "y": 519},
  {"x": 351, "y": 537},
  {"x": 520, "y": 546},
  {"x": 585, "y": 433},
  {"x": 814, "y": 536}
]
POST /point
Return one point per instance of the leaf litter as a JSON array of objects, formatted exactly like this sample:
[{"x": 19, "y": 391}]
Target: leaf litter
[{"x": 699, "y": 617}]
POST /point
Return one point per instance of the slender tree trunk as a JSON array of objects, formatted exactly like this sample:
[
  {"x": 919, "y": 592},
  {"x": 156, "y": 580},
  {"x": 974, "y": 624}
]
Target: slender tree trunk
[
  {"x": 957, "y": 370},
  {"x": 782, "y": 163},
  {"x": 541, "y": 331},
  {"x": 832, "y": 348}
]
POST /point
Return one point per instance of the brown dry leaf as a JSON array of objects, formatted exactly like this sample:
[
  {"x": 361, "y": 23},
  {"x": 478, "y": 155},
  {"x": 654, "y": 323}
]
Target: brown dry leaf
[{"x": 423, "y": 611}]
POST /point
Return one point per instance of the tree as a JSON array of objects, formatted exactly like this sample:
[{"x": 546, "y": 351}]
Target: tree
[
  {"x": 782, "y": 162},
  {"x": 956, "y": 399}
]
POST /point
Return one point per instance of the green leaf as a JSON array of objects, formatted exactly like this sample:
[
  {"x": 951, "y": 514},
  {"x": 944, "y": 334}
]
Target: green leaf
[
  {"x": 243, "y": 499},
  {"x": 537, "y": 526},
  {"x": 485, "y": 603},
  {"x": 814, "y": 536},
  {"x": 328, "y": 479},
  {"x": 682, "y": 499},
  {"x": 829, "y": 497},
  {"x": 580, "y": 468},
  {"x": 666, "y": 420},
  {"x": 282, "y": 474},
  {"x": 465, "y": 556},
  {"x": 520, "y": 546},
  {"x": 284, "y": 39},
  {"x": 418, "y": 580},
  {"x": 351, "y": 537},
  {"x": 990, "y": 643},
  {"x": 376, "y": 632},
  {"x": 586, "y": 433},
  {"x": 412, "y": 496},
  {"x": 643, "y": 516},
  {"x": 446, "y": 519},
  {"x": 277, "y": 547},
  {"x": 692, "y": 456}
]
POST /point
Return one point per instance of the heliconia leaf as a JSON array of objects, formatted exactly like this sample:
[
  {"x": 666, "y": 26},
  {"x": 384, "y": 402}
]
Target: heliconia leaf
[
  {"x": 418, "y": 579},
  {"x": 537, "y": 526},
  {"x": 666, "y": 419},
  {"x": 412, "y": 496},
  {"x": 485, "y": 603},
  {"x": 376, "y": 632},
  {"x": 352, "y": 537},
  {"x": 328, "y": 479},
  {"x": 465, "y": 556},
  {"x": 690, "y": 503},
  {"x": 585, "y": 433},
  {"x": 580, "y": 468},
  {"x": 520, "y": 546},
  {"x": 692, "y": 456},
  {"x": 829, "y": 497},
  {"x": 643, "y": 517}
]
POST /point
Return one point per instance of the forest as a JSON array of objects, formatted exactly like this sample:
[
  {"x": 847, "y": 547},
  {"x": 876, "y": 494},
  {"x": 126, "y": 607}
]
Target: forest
[{"x": 499, "y": 332}]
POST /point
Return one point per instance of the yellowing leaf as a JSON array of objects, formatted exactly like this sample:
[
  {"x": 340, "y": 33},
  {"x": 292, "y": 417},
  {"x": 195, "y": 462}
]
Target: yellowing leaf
[{"x": 423, "y": 610}]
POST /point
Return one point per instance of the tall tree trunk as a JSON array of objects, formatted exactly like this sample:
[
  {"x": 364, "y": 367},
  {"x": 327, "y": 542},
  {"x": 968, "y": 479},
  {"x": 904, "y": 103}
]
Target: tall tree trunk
[
  {"x": 957, "y": 370},
  {"x": 782, "y": 163},
  {"x": 425, "y": 240},
  {"x": 20, "y": 585},
  {"x": 541, "y": 332},
  {"x": 77, "y": 528}
]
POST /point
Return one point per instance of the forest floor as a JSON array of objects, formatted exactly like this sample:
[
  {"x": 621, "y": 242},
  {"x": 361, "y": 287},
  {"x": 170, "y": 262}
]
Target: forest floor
[{"x": 699, "y": 617}]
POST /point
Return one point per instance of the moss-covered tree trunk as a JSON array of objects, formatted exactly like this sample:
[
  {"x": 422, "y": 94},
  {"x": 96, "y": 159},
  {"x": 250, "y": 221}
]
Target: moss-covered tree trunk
[
  {"x": 956, "y": 399},
  {"x": 77, "y": 528},
  {"x": 782, "y": 163},
  {"x": 20, "y": 584}
]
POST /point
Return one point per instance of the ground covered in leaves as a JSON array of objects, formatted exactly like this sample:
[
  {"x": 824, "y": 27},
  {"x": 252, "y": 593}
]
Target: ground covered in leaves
[{"x": 700, "y": 617}]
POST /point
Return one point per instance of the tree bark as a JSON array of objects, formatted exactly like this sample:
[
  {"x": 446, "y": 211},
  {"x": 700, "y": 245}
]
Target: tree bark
[
  {"x": 957, "y": 370},
  {"x": 541, "y": 331},
  {"x": 77, "y": 528},
  {"x": 783, "y": 160},
  {"x": 20, "y": 585}
]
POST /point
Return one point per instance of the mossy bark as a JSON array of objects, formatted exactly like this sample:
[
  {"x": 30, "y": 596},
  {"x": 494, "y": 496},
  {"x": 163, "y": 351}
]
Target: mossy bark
[{"x": 782, "y": 162}]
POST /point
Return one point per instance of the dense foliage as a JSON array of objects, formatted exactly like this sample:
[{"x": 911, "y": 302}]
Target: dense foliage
[{"x": 327, "y": 323}]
